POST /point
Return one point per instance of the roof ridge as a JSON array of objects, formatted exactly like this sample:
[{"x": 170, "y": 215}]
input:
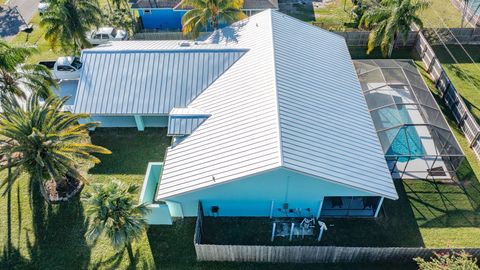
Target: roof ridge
[{"x": 277, "y": 102}]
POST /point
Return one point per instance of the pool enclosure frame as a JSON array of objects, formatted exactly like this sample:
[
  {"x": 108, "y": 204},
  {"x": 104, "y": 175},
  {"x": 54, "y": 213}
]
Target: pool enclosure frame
[{"x": 407, "y": 117}]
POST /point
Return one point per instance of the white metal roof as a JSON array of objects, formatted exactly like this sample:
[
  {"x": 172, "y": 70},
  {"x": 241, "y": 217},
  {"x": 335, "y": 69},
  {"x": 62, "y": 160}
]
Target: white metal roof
[
  {"x": 183, "y": 121},
  {"x": 148, "y": 78},
  {"x": 293, "y": 100}
]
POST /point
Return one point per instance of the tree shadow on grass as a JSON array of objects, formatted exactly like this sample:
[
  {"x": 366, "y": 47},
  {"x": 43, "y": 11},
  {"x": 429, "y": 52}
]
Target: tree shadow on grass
[
  {"x": 463, "y": 75},
  {"x": 131, "y": 149},
  {"x": 59, "y": 241},
  {"x": 444, "y": 205},
  {"x": 110, "y": 263},
  {"x": 298, "y": 9}
]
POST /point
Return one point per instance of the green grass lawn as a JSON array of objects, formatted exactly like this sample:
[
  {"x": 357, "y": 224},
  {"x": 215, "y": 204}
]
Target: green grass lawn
[
  {"x": 440, "y": 14},
  {"x": 334, "y": 15},
  {"x": 51, "y": 236},
  {"x": 465, "y": 75},
  {"x": 36, "y": 38},
  {"x": 337, "y": 14},
  {"x": 449, "y": 214}
]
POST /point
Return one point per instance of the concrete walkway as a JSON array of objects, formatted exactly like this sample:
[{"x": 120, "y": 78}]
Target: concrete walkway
[{"x": 15, "y": 14}]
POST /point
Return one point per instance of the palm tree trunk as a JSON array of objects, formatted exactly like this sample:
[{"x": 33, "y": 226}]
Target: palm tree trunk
[
  {"x": 392, "y": 45},
  {"x": 9, "y": 215},
  {"x": 129, "y": 10},
  {"x": 130, "y": 253},
  {"x": 43, "y": 191},
  {"x": 109, "y": 6}
]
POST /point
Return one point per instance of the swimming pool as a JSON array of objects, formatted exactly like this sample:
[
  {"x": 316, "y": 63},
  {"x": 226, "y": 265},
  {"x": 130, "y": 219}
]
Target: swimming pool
[
  {"x": 406, "y": 143},
  {"x": 403, "y": 140}
]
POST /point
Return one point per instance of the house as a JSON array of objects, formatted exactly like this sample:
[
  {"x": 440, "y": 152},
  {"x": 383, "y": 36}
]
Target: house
[
  {"x": 167, "y": 14},
  {"x": 138, "y": 83},
  {"x": 282, "y": 130}
]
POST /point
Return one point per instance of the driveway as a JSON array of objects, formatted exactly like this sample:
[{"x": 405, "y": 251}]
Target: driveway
[{"x": 14, "y": 15}]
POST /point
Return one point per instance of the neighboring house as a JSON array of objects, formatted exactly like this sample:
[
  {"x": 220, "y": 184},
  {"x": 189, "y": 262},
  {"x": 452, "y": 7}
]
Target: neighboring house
[
  {"x": 167, "y": 14},
  {"x": 282, "y": 130}
]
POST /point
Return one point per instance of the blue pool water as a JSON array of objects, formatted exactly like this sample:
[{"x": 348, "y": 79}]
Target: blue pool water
[
  {"x": 474, "y": 6},
  {"x": 404, "y": 141}
]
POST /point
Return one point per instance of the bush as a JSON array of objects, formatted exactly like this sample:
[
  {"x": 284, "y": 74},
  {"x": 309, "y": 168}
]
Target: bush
[{"x": 448, "y": 261}]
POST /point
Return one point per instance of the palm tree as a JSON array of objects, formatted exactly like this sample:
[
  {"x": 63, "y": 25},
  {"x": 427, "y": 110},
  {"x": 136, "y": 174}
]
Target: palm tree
[
  {"x": 45, "y": 142},
  {"x": 113, "y": 212},
  {"x": 18, "y": 78},
  {"x": 390, "y": 18},
  {"x": 118, "y": 17},
  {"x": 207, "y": 14},
  {"x": 118, "y": 3},
  {"x": 68, "y": 21}
]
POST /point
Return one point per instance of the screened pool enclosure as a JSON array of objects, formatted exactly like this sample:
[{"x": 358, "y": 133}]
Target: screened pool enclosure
[{"x": 412, "y": 130}]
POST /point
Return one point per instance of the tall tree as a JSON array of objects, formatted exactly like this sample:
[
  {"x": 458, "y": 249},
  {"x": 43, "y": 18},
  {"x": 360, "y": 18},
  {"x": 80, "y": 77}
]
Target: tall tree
[
  {"x": 68, "y": 21},
  {"x": 19, "y": 79},
  {"x": 389, "y": 19},
  {"x": 209, "y": 14},
  {"x": 44, "y": 141},
  {"x": 113, "y": 212}
]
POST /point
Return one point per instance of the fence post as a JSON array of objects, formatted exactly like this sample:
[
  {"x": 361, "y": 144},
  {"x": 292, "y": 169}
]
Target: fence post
[
  {"x": 429, "y": 69},
  {"x": 474, "y": 140},
  {"x": 424, "y": 50}
]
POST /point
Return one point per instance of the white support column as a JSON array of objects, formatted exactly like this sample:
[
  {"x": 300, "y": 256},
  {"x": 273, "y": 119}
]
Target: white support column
[
  {"x": 379, "y": 206},
  {"x": 271, "y": 208},
  {"x": 87, "y": 120},
  {"x": 139, "y": 122},
  {"x": 320, "y": 205}
]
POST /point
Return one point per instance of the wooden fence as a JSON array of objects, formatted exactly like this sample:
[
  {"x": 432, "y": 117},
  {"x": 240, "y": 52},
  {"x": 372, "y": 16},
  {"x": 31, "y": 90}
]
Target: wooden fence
[
  {"x": 308, "y": 254},
  {"x": 315, "y": 254},
  {"x": 360, "y": 38},
  {"x": 465, "y": 120}
]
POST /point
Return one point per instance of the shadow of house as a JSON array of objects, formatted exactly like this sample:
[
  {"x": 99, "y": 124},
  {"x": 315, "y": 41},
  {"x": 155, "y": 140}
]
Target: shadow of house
[
  {"x": 131, "y": 150},
  {"x": 395, "y": 227}
]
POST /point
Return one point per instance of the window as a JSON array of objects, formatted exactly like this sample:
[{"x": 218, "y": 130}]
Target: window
[
  {"x": 97, "y": 36},
  {"x": 76, "y": 63},
  {"x": 215, "y": 209},
  {"x": 147, "y": 12},
  {"x": 114, "y": 32},
  {"x": 350, "y": 206},
  {"x": 65, "y": 68},
  {"x": 105, "y": 36}
]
